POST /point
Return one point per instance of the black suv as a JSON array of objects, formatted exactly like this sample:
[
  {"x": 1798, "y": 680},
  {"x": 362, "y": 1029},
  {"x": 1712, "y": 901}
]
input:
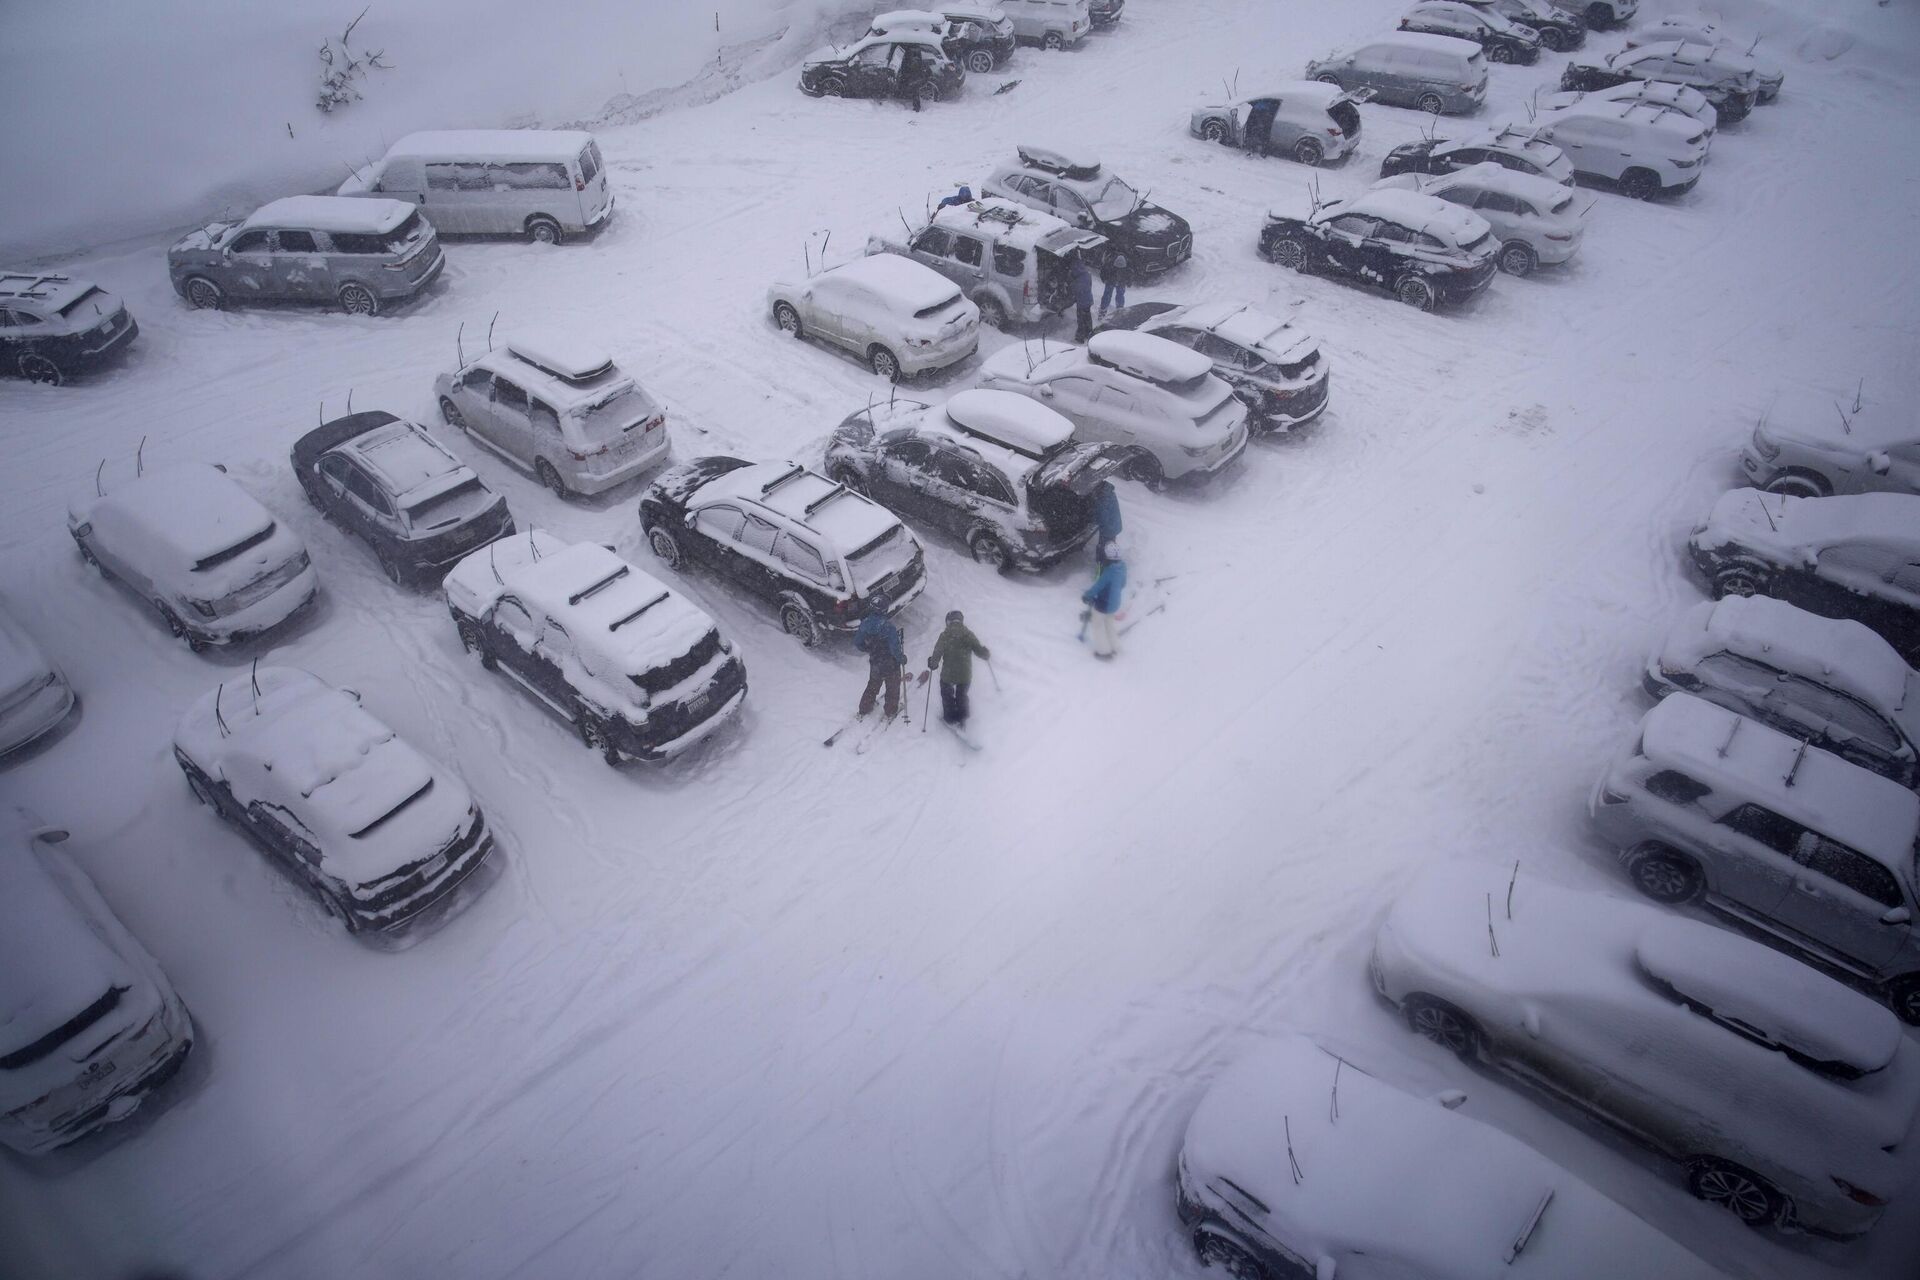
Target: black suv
[
  {"x": 52, "y": 327},
  {"x": 1559, "y": 30},
  {"x": 1106, "y": 13},
  {"x": 1422, "y": 250},
  {"x": 391, "y": 485},
  {"x": 976, "y": 39},
  {"x": 875, "y": 66},
  {"x": 815, "y": 550}
]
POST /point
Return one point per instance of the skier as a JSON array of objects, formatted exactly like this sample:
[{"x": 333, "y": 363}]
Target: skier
[
  {"x": 1106, "y": 516},
  {"x": 962, "y": 196},
  {"x": 952, "y": 656},
  {"x": 1103, "y": 600},
  {"x": 1082, "y": 299},
  {"x": 1113, "y": 280},
  {"x": 886, "y": 652}
]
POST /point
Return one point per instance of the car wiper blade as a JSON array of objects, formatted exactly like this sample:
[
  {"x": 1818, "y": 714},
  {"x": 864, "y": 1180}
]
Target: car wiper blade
[
  {"x": 1526, "y": 1232},
  {"x": 598, "y": 587}
]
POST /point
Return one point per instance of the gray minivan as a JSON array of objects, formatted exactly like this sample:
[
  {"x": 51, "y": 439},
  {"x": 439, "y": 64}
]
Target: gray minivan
[
  {"x": 1411, "y": 69},
  {"x": 545, "y": 184}
]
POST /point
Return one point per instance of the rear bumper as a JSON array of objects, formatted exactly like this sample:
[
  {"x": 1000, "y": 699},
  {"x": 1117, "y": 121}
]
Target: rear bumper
[
  {"x": 1033, "y": 555},
  {"x": 581, "y": 480},
  {"x": 399, "y": 290},
  {"x": 646, "y": 747},
  {"x": 173, "y": 1043},
  {"x": 431, "y": 893},
  {"x": 940, "y": 354},
  {"x": 292, "y": 600},
  {"x": 37, "y": 716},
  {"x": 1278, "y": 411}
]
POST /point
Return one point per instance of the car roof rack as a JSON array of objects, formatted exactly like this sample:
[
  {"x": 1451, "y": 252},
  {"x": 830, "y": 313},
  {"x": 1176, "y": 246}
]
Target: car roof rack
[
  {"x": 597, "y": 587},
  {"x": 984, "y": 212},
  {"x": 838, "y": 491},
  {"x": 793, "y": 471},
  {"x": 618, "y": 623},
  {"x": 21, "y": 284}
]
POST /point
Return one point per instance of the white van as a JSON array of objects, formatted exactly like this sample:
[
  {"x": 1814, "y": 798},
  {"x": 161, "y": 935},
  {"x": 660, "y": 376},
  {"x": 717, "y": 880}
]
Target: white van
[{"x": 545, "y": 184}]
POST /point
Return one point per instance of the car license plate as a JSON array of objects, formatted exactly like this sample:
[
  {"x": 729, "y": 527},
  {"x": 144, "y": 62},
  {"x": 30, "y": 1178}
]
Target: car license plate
[{"x": 698, "y": 703}]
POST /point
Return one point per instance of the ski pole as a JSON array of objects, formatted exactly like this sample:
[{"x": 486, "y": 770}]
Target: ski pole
[
  {"x": 993, "y": 673},
  {"x": 926, "y": 712},
  {"x": 1084, "y": 615}
]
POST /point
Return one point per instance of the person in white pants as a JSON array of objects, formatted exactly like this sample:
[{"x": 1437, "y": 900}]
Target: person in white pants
[{"x": 1103, "y": 600}]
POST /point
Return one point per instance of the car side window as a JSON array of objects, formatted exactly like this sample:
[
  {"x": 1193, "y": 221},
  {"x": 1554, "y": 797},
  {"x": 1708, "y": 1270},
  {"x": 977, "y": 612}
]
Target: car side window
[
  {"x": 511, "y": 615},
  {"x": 294, "y": 242},
  {"x": 1358, "y": 225},
  {"x": 362, "y": 488},
  {"x": 249, "y": 242},
  {"x": 335, "y": 468},
  {"x": 966, "y": 250},
  {"x": 1392, "y": 233},
  {"x": 802, "y": 559},
  {"x": 478, "y": 381},
  {"x": 1853, "y": 559},
  {"x": 1766, "y": 826},
  {"x": 1854, "y": 870},
  {"x": 911, "y": 453},
  {"x": 933, "y": 240},
  {"x": 977, "y": 477},
  {"x": 1009, "y": 261},
  {"x": 1732, "y": 671},
  {"x": 758, "y": 535},
  {"x": 720, "y": 522},
  {"x": 1495, "y": 202},
  {"x": 1068, "y": 203},
  {"x": 1462, "y": 196},
  {"x": 509, "y": 396},
  {"x": 1466, "y": 156},
  {"x": 543, "y": 416},
  {"x": 874, "y": 55}
]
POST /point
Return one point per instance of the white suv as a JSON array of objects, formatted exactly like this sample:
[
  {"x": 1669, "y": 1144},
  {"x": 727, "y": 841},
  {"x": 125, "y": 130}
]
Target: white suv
[
  {"x": 1645, "y": 151},
  {"x": 899, "y": 316},
  {"x": 1537, "y": 221},
  {"x": 1819, "y": 447}
]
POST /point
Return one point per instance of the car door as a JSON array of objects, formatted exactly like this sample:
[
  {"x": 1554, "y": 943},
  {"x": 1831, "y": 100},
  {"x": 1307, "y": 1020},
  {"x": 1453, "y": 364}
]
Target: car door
[
  {"x": 1125, "y": 420},
  {"x": 932, "y": 247},
  {"x": 1754, "y": 855},
  {"x": 1609, "y": 148},
  {"x": 1573, "y": 137},
  {"x": 1838, "y": 899},
  {"x": 336, "y": 474},
  {"x": 373, "y": 515},
  {"x": 1030, "y": 191},
  {"x": 1501, "y": 211},
  {"x": 1343, "y": 246},
  {"x": 904, "y": 466},
  {"x": 512, "y": 632},
  {"x": 950, "y": 505},
  {"x": 966, "y": 263},
  {"x": 249, "y": 263},
  {"x": 288, "y": 841},
  {"x": 1852, "y": 577},
  {"x": 553, "y": 656},
  {"x": 512, "y": 429},
  {"x": 453, "y": 189},
  {"x": 870, "y": 72},
  {"x": 472, "y": 395},
  {"x": 716, "y": 527},
  {"x": 300, "y": 267},
  {"x": 1260, "y": 134},
  {"x": 1074, "y": 396},
  {"x": 1068, "y": 206},
  {"x": 753, "y": 559}
]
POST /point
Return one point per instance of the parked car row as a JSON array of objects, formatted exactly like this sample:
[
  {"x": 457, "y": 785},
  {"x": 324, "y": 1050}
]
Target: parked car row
[{"x": 930, "y": 52}]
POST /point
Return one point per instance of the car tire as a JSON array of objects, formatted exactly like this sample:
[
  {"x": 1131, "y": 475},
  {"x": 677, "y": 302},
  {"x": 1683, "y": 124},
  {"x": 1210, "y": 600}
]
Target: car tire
[
  {"x": 1552, "y": 40},
  {"x": 1739, "y": 579},
  {"x": 1798, "y": 484},
  {"x": 35, "y": 367},
  {"x": 788, "y": 319},
  {"x": 979, "y": 62},
  {"x": 1415, "y": 292},
  {"x": 797, "y": 621},
  {"x": 451, "y": 415},
  {"x": 883, "y": 362},
  {"x": 179, "y": 628},
  {"x": 1742, "y": 1193},
  {"x": 1216, "y": 131},
  {"x": 551, "y": 478},
  {"x": 390, "y": 567},
  {"x": 469, "y": 636},
  {"x": 1289, "y": 253},
  {"x": 1146, "y": 468},
  {"x": 1665, "y": 874},
  {"x": 845, "y": 473},
  {"x": 991, "y": 312},
  {"x": 1903, "y": 995},
  {"x": 1217, "y": 1250},
  {"x": 1431, "y": 103},
  {"x": 205, "y": 294},
  {"x": 666, "y": 547},
  {"x": 1639, "y": 184},
  {"x": 1499, "y": 53},
  {"x": 987, "y": 548},
  {"x": 543, "y": 230},
  {"x": 834, "y": 86},
  {"x": 1309, "y": 152},
  {"x": 594, "y": 734},
  {"x": 1053, "y": 42},
  {"x": 1443, "y": 1023},
  {"x": 1518, "y": 258},
  {"x": 358, "y": 300}
]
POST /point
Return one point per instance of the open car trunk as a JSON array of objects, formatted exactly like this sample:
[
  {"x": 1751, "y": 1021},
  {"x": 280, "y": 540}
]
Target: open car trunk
[
  {"x": 1347, "y": 116},
  {"x": 1060, "y": 490}
]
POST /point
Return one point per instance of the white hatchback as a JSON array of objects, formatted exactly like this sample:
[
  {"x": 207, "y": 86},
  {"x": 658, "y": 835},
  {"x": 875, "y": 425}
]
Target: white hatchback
[{"x": 900, "y": 317}]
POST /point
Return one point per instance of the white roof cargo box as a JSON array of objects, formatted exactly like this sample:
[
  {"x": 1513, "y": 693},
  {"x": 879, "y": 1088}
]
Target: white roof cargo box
[
  {"x": 1145, "y": 356},
  {"x": 560, "y": 356},
  {"x": 1080, "y": 165},
  {"x": 1011, "y": 419}
]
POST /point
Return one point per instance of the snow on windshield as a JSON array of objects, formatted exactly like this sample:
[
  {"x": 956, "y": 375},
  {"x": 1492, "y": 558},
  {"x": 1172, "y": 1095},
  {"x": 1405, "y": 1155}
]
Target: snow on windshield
[{"x": 1115, "y": 201}]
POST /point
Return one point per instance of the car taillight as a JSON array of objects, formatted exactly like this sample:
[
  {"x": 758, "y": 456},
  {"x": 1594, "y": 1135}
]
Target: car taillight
[
  {"x": 1333, "y": 131},
  {"x": 841, "y": 607},
  {"x": 578, "y": 456},
  {"x": 1859, "y": 1195},
  {"x": 1026, "y": 291},
  {"x": 579, "y": 184},
  {"x": 1559, "y": 235}
]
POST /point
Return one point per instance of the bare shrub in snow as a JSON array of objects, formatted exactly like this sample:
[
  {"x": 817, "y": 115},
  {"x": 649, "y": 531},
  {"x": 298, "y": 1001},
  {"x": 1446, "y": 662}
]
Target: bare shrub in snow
[{"x": 343, "y": 69}]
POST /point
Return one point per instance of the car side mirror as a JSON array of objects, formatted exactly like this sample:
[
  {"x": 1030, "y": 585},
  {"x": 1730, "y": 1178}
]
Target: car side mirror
[
  {"x": 83, "y": 529},
  {"x": 1880, "y": 463},
  {"x": 52, "y": 835},
  {"x": 1046, "y": 393},
  {"x": 1451, "y": 1099},
  {"x": 1898, "y": 915}
]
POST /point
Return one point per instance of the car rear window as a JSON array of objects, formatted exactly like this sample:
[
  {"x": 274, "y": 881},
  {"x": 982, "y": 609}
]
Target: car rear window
[
  {"x": 27, "y": 1055},
  {"x": 589, "y": 162},
  {"x": 937, "y": 308},
  {"x": 1563, "y": 204},
  {"x": 237, "y": 549},
  {"x": 446, "y": 508},
  {"x": 93, "y": 292},
  {"x": 392, "y": 813},
  {"x": 889, "y": 553}
]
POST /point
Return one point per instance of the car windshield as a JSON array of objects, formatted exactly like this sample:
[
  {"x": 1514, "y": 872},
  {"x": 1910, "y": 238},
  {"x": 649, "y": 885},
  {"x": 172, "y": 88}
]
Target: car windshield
[
  {"x": 1908, "y": 712},
  {"x": 465, "y": 499},
  {"x": 1561, "y": 205},
  {"x": 93, "y": 294},
  {"x": 619, "y": 409},
  {"x": 889, "y": 553},
  {"x": 404, "y": 234},
  {"x": 1114, "y": 201},
  {"x": 28, "y": 1054},
  {"x": 237, "y": 549},
  {"x": 392, "y": 813},
  {"x": 1477, "y": 243}
]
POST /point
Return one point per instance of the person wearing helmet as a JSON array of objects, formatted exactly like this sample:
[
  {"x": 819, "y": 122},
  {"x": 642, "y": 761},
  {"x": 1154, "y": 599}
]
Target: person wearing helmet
[
  {"x": 1103, "y": 600},
  {"x": 952, "y": 657},
  {"x": 880, "y": 640}
]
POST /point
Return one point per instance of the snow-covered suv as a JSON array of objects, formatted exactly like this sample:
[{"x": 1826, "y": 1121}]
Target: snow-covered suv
[
  {"x": 211, "y": 560},
  {"x": 899, "y": 316},
  {"x": 1781, "y": 1094},
  {"x": 1508, "y": 146},
  {"x": 1503, "y": 41},
  {"x": 1159, "y": 401},
  {"x": 1537, "y": 222},
  {"x": 1728, "y": 80},
  {"x": 343, "y": 805},
  {"x": 1815, "y": 853},
  {"x": 562, "y": 410},
  {"x": 1558, "y": 29},
  {"x": 1075, "y": 189},
  {"x": 1694, "y": 32},
  {"x": 816, "y": 551},
  {"x": 1012, "y": 262},
  {"x": 996, "y": 470},
  {"x": 884, "y": 66},
  {"x": 1642, "y": 150},
  {"x": 1684, "y": 99},
  {"x": 979, "y": 40},
  {"x": 1275, "y": 368},
  {"x": 1600, "y": 14},
  {"x": 1304, "y": 119},
  {"x": 34, "y": 694},
  {"x": 1811, "y": 447},
  {"x": 359, "y": 254},
  {"x": 635, "y": 669},
  {"x": 1423, "y": 251},
  {"x": 53, "y": 327}
]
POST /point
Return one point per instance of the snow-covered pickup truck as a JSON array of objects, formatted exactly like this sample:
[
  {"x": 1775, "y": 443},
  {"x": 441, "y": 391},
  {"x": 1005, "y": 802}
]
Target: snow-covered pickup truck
[{"x": 636, "y": 670}]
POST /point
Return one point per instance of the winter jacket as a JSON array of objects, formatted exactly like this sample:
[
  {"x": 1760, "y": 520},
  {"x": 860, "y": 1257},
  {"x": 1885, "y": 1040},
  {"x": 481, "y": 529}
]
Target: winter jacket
[
  {"x": 1107, "y": 589},
  {"x": 963, "y": 196},
  {"x": 880, "y": 640},
  {"x": 1114, "y": 269},
  {"x": 953, "y": 654},
  {"x": 1106, "y": 512},
  {"x": 1082, "y": 284}
]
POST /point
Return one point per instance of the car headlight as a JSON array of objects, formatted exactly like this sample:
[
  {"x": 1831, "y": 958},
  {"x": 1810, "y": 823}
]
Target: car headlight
[
  {"x": 1765, "y": 445},
  {"x": 204, "y": 608}
]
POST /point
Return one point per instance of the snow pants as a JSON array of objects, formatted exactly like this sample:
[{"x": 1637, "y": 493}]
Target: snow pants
[
  {"x": 876, "y": 677},
  {"x": 1083, "y": 322},
  {"x": 1112, "y": 293},
  {"x": 1100, "y": 630},
  {"x": 953, "y": 702}
]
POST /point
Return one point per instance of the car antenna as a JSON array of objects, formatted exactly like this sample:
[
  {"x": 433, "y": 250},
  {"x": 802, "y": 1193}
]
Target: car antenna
[
  {"x": 139, "y": 458},
  {"x": 98, "y": 492},
  {"x": 490, "y": 324},
  {"x": 1236, "y": 83},
  {"x": 1858, "y": 388},
  {"x": 1492, "y": 940},
  {"x": 217, "y": 717},
  {"x": 254, "y": 676},
  {"x": 320, "y": 414},
  {"x": 1727, "y": 745},
  {"x": 1768, "y": 514},
  {"x": 459, "y": 347},
  {"x": 823, "y": 247},
  {"x": 1753, "y": 46},
  {"x": 1510, "y": 883},
  {"x": 1844, "y": 424},
  {"x": 349, "y": 402},
  {"x": 1298, "y": 1177},
  {"x": 1798, "y": 756},
  {"x": 1333, "y": 1107},
  {"x": 493, "y": 565},
  {"x": 904, "y": 226}
]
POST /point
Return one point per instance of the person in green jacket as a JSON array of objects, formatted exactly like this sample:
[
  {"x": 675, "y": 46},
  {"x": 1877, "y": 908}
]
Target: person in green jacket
[{"x": 952, "y": 657}]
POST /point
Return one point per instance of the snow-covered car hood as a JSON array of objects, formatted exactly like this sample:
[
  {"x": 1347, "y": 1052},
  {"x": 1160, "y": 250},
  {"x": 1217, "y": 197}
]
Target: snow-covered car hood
[{"x": 1797, "y": 529}]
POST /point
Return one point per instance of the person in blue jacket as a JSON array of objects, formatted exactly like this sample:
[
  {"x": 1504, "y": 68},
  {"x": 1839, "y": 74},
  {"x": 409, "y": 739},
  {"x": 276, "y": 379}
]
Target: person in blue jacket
[
  {"x": 1082, "y": 299},
  {"x": 963, "y": 196},
  {"x": 1103, "y": 601},
  {"x": 886, "y": 652},
  {"x": 1106, "y": 515}
]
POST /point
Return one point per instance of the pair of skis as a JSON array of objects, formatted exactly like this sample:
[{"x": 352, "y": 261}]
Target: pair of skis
[
  {"x": 1132, "y": 610},
  {"x": 867, "y": 739}
]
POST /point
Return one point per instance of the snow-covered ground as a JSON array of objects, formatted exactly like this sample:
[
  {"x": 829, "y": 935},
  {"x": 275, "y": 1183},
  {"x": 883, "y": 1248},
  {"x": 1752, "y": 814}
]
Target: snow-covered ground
[{"x": 779, "y": 1011}]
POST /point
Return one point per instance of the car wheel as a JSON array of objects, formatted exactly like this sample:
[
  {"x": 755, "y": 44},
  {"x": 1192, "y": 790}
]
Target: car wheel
[
  {"x": 88, "y": 558},
  {"x": 797, "y": 621},
  {"x": 987, "y": 549},
  {"x": 1054, "y": 41},
  {"x": 1308, "y": 151},
  {"x": 1289, "y": 253},
  {"x": 1739, "y": 580},
  {"x": 205, "y": 294},
  {"x": 1552, "y": 40},
  {"x": 980, "y": 62},
  {"x": 1498, "y": 53},
  {"x": 37, "y": 368},
  {"x": 469, "y": 636},
  {"x": 551, "y": 478},
  {"x": 1415, "y": 292},
  {"x": 179, "y": 628},
  {"x": 844, "y": 473},
  {"x": 1517, "y": 259},
  {"x": 884, "y": 363},
  {"x": 991, "y": 312},
  {"x": 1798, "y": 484},
  {"x": 1431, "y": 104},
  {"x": 450, "y": 412},
  {"x": 389, "y": 566},
  {"x": 787, "y": 318},
  {"x": 1146, "y": 468},
  {"x": 665, "y": 546},
  {"x": 358, "y": 300},
  {"x": 543, "y": 230},
  {"x": 595, "y": 735},
  {"x": 1443, "y": 1024},
  {"x": 1640, "y": 184},
  {"x": 1332, "y": 80},
  {"x": 834, "y": 86},
  {"x": 1599, "y": 17},
  {"x": 1216, "y": 131},
  {"x": 1216, "y": 1250},
  {"x": 1663, "y": 874},
  {"x": 1904, "y": 995},
  {"x": 1741, "y": 1193}
]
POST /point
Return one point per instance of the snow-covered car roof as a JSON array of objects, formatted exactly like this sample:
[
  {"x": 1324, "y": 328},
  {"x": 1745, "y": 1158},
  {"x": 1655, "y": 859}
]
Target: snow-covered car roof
[
  {"x": 1860, "y": 809},
  {"x": 1650, "y": 115},
  {"x": 1664, "y": 93},
  {"x": 346, "y": 214},
  {"x": 1148, "y": 357},
  {"x": 52, "y": 964},
  {"x": 844, "y": 518},
  {"x": 1803, "y": 527},
  {"x": 190, "y": 511},
  {"x": 1082, "y": 166},
  {"x": 1537, "y": 190},
  {"x": 1245, "y": 325},
  {"x": 412, "y": 464},
  {"x": 493, "y": 144},
  {"x": 1417, "y": 40},
  {"x": 21, "y": 658},
  {"x": 1447, "y": 222},
  {"x": 1360, "y": 1148},
  {"x": 1693, "y": 52},
  {"x": 1311, "y": 91},
  {"x": 1841, "y": 653},
  {"x": 1017, "y": 225},
  {"x": 926, "y": 40},
  {"x": 374, "y": 803},
  {"x": 905, "y": 285},
  {"x": 1009, "y": 418}
]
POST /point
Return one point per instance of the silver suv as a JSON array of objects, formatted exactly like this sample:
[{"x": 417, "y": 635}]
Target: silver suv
[
  {"x": 1011, "y": 261},
  {"x": 1815, "y": 853},
  {"x": 1826, "y": 447}
]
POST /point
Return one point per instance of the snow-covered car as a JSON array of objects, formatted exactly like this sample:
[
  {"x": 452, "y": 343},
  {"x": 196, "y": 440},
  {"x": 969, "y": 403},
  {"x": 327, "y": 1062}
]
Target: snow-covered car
[
  {"x": 338, "y": 802},
  {"x": 1600, "y": 15},
  {"x": 638, "y": 671},
  {"x": 899, "y": 316},
  {"x": 979, "y": 40},
  {"x": 1077, "y": 190},
  {"x": 1781, "y": 1094},
  {"x": 1727, "y": 80},
  {"x": 53, "y": 327},
  {"x": 1508, "y": 146},
  {"x": 1642, "y": 150},
  {"x": 1537, "y": 222},
  {"x": 1304, "y": 120},
  {"x": 1814, "y": 853},
  {"x": 390, "y": 484},
  {"x": 884, "y": 66},
  {"x": 1297, "y": 1164},
  {"x": 35, "y": 697},
  {"x": 1274, "y": 366},
  {"x": 1430, "y": 73},
  {"x": 558, "y": 408},
  {"x": 1684, "y": 99},
  {"x": 1828, "y": 681},
  {"x": 1422, "y": 250},
  {"x": 1854, "y": 556},
  {"x": 811, "y": 548},
  {"x": 89, "y": 1024},
  {"x": 1105, "y": 13},
  {"x": 1692, "y": 31},
  {"x": 361, "y": 254},
  {"x": 1051, "y": 24},
  {"x": 544, "y": 184},
  {"x": 1810, "y": 447},
  {"x": 1503, "y": 41},
  {"x": 189, "y": 540},
  {"x": 1012, "y": 262},
  {"x": 996, "y": 470},
  {"x": 1159, "y": 401},
  {"x": 1558, "y": 29}
]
